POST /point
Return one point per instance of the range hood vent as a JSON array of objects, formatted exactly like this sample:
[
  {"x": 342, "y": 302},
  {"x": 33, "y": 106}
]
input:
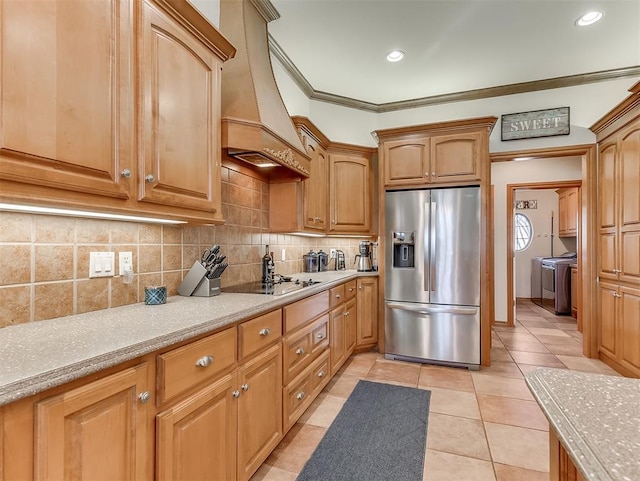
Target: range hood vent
[{"x": 256, "y": 127}]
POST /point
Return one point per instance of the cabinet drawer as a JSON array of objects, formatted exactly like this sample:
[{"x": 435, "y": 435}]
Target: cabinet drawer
[
  {"x": 303, "y": 346},
  {"x": 300, "y": 393},
  {"x": 301, "y": 312},
  {"x": 336, "y": 296},
  {"x": 258, "y": 333},
  {"x": 350, "y": 289},
  {"x": 187, "y": 366}
]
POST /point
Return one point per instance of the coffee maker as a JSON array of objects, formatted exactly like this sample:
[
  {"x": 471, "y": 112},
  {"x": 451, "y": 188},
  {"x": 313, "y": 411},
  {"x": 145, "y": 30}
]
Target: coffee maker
[{"x": 363, "y": 260}]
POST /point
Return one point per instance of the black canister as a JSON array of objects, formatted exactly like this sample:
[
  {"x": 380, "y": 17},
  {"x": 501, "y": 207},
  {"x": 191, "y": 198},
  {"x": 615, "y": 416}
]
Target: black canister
[
  {"x": 323, "y": 260},
  {"x": 310, "y": 262}
]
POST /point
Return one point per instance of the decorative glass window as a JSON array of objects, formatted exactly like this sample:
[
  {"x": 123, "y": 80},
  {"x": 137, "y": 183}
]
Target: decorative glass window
[{"x": 523, "y": 232}]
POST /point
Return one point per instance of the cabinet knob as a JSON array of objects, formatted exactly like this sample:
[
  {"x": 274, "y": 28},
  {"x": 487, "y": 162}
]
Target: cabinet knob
[
  {"x": 338, "y": 296},
  {"x": 333, "y": 221},
  {"x": 345, "y": 313},
  {"x": 204, "y": 361},
  {"x": 351, "y": 289},
  {"x": 433, "y": 174},
  {"x": 360, "y": 287},
  {"x": 321, "y": 374},
  {"x": 265, "y": 332},
  {"x": 150, "y": 178},
  {"x": 300, "y": 395},
  {"x": 126, "y": 173},
  {"x": 426, "y": 174},
  {"x": 320, "y": 335},
  {"x": 144, "y": 397},
  {"x": 299, "y": 351},
  {"x": 615, "y": 294},
  {"x": 236, "y": 394},
  {"x": 245, "y": 387}
]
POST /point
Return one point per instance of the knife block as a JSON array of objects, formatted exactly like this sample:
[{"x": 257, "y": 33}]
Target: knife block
[{"x": 196, "y": 283}]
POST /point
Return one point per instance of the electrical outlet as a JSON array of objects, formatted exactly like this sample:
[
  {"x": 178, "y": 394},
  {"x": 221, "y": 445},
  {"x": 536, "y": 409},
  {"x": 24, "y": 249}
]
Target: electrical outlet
[
  {"x": 283, "y": 257},
  {"x": 332, "y": 253},
  {"x": 125, "y": 262}
]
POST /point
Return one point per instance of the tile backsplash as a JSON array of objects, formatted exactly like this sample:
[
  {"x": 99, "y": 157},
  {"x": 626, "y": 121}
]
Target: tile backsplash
[{"x": 44, "y": 260}]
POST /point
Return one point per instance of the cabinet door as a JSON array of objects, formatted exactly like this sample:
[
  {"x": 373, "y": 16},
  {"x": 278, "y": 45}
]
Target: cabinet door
[
  {"x": 630, "y": 329},
  {"x": 630, "y": 179},
  {"x": 197, "y": 438},
  {"x": 337, "y": 339},
  {"x": 572, "y": 212},
  {"x": 608, "y": 315},
  {"x": 316, "y": 188},
  {"x": 75, "y": 430},
  {"x": 607, "y": 174},
  {"x": 349, "y": 193},
  {"x": 351, "y": 322},
  {"x": 456, "y": 157},
  {"x": 562, "y": 214},
  {"x": 180, "y": 103},
  {"x": 66, "y": 96},
  {"x": 406, "y": 161},
  {"x": 367, "y": 331},
  {"x": 259, "y": 410}
]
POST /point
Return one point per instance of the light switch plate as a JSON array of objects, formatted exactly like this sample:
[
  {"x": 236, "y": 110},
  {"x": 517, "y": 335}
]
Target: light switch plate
[{"x": 101, "y": 264}]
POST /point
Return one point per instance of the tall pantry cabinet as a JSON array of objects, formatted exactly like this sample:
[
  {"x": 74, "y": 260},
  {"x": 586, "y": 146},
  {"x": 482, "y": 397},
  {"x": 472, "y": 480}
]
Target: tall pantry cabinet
[{"x": 618, "y": 136}]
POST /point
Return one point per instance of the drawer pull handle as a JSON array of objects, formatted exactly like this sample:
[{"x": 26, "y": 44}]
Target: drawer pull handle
[
  {"x": 320, "y": 336},
  {"x": 299, "y": 351},
  {"x": 126, "y": 173},
  {"x": 145, "y": 397},
  {"x": 300, "y": 395},
  {"x": 321, "y": 374},
  {"x": 245, "y": 387},
  {"x": 150, "y": 178},
  {"x": 236, "y": 394},
  {"x": 265, "y": 332},
  {"x": 204, "y": 361},
  {"x": 351, "y": 289},
  {"x": 338, "y": 296}
]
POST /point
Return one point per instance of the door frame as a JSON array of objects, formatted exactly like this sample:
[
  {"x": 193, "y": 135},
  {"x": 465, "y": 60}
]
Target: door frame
[{"x": 587, "y": 239}]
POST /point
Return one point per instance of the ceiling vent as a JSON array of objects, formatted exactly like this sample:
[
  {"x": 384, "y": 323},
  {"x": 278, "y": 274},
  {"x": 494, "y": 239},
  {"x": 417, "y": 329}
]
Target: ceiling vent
[{"x": 256, "y": 127}]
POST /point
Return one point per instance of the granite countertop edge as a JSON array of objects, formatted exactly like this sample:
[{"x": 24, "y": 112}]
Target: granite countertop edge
[
  {"x": 582, "y": 456},
  {"x": 28, "y": 378}
]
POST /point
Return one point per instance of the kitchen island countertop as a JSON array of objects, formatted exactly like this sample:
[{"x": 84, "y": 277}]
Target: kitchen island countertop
[
  {"x": 596, "y": 418},
  {"x": 40, "y": 355}
]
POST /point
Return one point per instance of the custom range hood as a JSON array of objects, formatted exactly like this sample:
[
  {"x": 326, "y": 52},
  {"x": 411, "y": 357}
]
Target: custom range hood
[{"x": 256, "y": 127}]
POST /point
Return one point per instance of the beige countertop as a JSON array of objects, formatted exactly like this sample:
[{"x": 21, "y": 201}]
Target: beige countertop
[
  {"x": 595, "y": 417},
  {"x": 44, "y": 354}
]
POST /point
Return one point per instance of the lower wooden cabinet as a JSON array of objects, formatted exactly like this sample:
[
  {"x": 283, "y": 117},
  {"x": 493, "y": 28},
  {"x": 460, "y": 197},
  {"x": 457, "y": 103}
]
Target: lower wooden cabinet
[
  {"x": 561, "y": 468},
  {"x": 343, "y": 329},
  {"x": 367, "y": 315},
  {"x": 74, "y": 430}
]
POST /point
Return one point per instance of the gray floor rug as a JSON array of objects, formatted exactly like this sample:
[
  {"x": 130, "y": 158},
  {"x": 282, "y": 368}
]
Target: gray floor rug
[{"x": 379, "y": 435}]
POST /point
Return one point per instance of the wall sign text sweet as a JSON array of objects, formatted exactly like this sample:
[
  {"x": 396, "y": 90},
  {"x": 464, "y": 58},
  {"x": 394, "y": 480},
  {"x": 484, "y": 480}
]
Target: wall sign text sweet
[{"x": 537, "y": 123}]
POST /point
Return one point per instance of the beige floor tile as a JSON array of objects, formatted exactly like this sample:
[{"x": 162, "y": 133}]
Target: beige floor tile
[
  {"x": 296, "y": 447},
  {"x": 568, "y": 347},
  {"x": 454, "y": 403},
  {"x": 395, "y": 372},
  {"x": 526, "y": 368},
  {"x": 457, "y": 435},
  {"x": 586, "y": 365},
  {"x": 522, "y": 336},
  {"x": 445, "y": 378},
  {"x": 323, "y": 410},
  {"x": 506, "y": 369},
  {"x": 500, "y": 354},
  {"x": 342, "y": 385},
  {"x": 441, "y": 466},
  {"x": 514, "y": 412},
  {"x": 537, "y": 358},
  {"x": 525, "y": 346},
  {"x": 511, "y": 473},
  {"x": 501, "y": 386},
  {"x": 271, "y": 473},
  {"x": 536, "y": 322},
  {"x": 358, "y": 366},
  {"x": 520, "y": 447},
  {"x": 497, "y": 342},
  {"x": 541, "y": 331}
]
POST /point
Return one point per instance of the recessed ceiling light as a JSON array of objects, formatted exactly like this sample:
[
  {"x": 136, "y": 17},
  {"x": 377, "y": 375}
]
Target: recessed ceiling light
[
  {"x": 589, "y": 18},
  {"x": 395, "y": 56}
]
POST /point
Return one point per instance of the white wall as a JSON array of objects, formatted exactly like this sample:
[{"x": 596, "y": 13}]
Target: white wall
[
  {"x": 503, "y": 173},
  {"x": 547, "y": 201},
  {"x": 208, "y": 8}
]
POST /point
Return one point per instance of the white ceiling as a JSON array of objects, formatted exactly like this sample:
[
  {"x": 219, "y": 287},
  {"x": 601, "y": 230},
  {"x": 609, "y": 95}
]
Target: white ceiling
[{"x": 452, "y": 46}]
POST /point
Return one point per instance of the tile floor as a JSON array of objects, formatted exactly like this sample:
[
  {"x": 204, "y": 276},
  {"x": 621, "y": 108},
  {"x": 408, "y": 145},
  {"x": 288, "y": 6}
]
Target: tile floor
[{"x": 483, "y": 425}]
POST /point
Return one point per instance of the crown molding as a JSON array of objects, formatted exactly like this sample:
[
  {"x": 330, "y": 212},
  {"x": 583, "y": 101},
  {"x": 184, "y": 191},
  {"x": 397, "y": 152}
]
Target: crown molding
[{"x": 498, "y": 91}]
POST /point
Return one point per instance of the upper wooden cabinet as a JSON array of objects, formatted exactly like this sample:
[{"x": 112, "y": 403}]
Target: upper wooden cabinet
[
  {"x": 450, "y": 152},
  {"x": 349, "y": 192},
  {"x": 618, "y": 250},
  {"x": 568, "y": 209},
  {"x": 337, "y": 196},
  {"x": 112, "y": 106}
]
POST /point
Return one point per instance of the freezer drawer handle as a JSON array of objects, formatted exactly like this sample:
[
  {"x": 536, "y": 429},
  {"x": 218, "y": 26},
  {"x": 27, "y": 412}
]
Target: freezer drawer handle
[{"x": 434, "y": 310}]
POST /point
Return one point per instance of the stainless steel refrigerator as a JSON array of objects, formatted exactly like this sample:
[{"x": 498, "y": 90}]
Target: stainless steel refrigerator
[{"x": 432, "y": 276}]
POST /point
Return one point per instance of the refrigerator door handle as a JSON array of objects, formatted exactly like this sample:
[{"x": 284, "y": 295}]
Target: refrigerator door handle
[
  {"x": 422, "y": 309},
  {"x": 433, "y": 251}
]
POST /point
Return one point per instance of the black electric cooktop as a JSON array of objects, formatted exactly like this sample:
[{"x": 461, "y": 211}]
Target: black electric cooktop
[{"x": 271, "y": 288}]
